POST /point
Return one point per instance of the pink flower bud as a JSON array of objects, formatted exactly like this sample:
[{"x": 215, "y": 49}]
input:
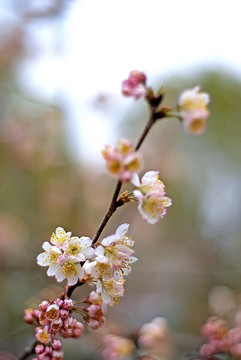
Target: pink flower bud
[
  {"x": 52, "y": 312},
  {"x": 68, "y": 322},
  {"x": 135, "y": 85},
  {"x": 59, "y": 302},
  {"x": 48, "y": 350},
  {"x": 57, "y": 345},
  {"x": 207, "y": 350},
  {"x": 64, "y": 313},
  {"x": 28, "y": 316},
  {"x": 44, "y": 305},
  {"x": 58, "y": 355},
  {"x": 68, "y": 304},
  {"x": 77, "y": 333},
  {"x": 39, "y": 349}
]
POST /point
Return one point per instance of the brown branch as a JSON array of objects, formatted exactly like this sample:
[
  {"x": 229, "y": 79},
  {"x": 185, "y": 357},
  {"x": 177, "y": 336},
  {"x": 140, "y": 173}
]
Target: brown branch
[{"x": 27, "y": 352}]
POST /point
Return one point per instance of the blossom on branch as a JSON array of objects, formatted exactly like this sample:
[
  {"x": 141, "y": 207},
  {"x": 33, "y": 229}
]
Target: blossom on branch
[
  {"x": 135, "y": 85},
  {"x": 65, "y": 257},
  {"x": 192, "y": 107},
  {"x": 122, "y": 161},
  {"x": 150, "y": 193},
  {"x": 113, "y": 258}
]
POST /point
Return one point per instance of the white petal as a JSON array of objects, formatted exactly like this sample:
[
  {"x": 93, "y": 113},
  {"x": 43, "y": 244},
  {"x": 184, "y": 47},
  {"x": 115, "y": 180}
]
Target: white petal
[
  {"x": 138, "y": 194},
  {"x": 89, "y": 253},
  {"x": 46, "y": 246},
  {"x": 99, "y": 250},
  {"x": 80, "y": 257},
  {"x": 43, "y": 259},
  {"x": 109, "y": 240},
  {"x": 132, "y": 259},
  {"x": 135, "y": 180},
  {"x": 98, "y": 286},
  {"x": 149, "y": 176},
  {"x": 122, "y": 229},
  {"x": 81, "y": 273},
  {"x": 52, "y": 270},
  {"x": 106, "y": 298},
  {"x": 85, "y": 241}
]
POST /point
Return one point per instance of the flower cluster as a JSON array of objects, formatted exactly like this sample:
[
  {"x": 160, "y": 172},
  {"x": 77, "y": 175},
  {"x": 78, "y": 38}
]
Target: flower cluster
[
  {"x": 150, "y": 193},
  {"x": 51, "y": 351},
  {"x": 135, "y": 85},
  {"x": 221, "y": 338},
  {"x": 122, "y": 161},
  {"x": 192, "y": 106},
  {"x": 52, "y": 319},
  {"x": 65, "y": 255},
  {"x": 105, "y": 263},
  {"x": 113, "y": 258},
  {"x": 56, "y": 318}
]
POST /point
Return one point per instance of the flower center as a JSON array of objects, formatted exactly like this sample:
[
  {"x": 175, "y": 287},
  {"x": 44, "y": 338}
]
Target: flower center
[{"x": 70, "y": 269}]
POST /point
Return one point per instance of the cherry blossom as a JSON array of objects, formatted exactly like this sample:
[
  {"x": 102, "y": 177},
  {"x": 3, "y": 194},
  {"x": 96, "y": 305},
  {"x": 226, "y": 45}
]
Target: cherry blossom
[
  {"x": 65, "y": 257},
  {"x": 122, "y": 161},
  {"x": 192, "y": 106},
  {"x": 150, "y": 193},
  {"x": 135, "y": 85}
]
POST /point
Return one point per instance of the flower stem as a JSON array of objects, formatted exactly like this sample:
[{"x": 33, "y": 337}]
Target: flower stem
[
  {"x": 114, "y": 203},
  {"x": 112, "y": 208}
]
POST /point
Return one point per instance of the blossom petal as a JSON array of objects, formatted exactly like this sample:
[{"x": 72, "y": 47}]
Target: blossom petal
[{"x": 122, "y": 229}]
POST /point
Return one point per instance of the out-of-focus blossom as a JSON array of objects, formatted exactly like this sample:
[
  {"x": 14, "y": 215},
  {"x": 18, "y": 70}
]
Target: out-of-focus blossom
[
  {"x": 117, "y": 348},
  {"x": 65, "y": 256},
  {"x": 155, "y": 340},
  {"x": 150, "y": 193},
  {"x": 31, "y": 316},
  {"x": 220, "y": 338},
  {"x": 192, "y": 107},
  {"x": 153, "y": 333},
  {"x": 135, "y": 85},
  {"x": 122, "y": 161}
]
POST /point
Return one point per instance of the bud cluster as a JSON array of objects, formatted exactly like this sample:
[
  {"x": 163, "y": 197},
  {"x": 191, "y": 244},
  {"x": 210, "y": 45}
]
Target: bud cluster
[
  {"x": 221, "y": 338},
  {"x": 51, "y": 351},
  {"x": 56, "y": 318},
  {"x": 94, "y": 316},
  {"x": 53, "y": 318}
]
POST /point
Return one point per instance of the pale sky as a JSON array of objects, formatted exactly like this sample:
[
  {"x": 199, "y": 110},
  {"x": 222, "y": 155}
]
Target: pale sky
[{"x": 101, "y": 41}]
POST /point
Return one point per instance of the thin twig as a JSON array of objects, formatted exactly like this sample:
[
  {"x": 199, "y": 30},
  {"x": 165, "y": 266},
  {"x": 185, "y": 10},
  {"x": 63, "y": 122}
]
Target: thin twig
[{"x": 27, "y": 352}]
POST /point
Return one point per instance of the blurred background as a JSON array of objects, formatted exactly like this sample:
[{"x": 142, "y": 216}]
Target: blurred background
[{"x": 61, "y": 66}]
